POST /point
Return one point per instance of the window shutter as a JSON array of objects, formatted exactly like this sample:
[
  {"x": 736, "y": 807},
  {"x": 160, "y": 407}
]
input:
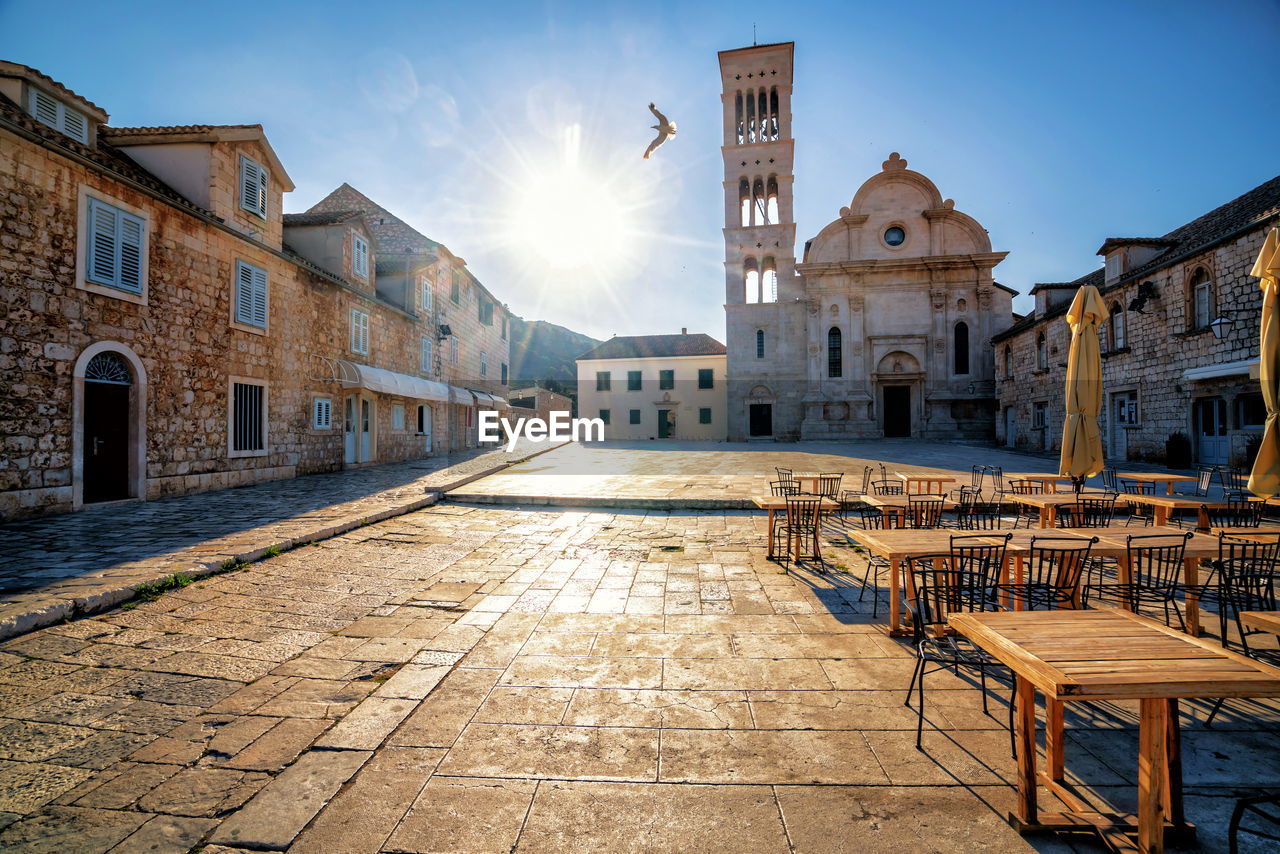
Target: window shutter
[
  {"x": 323, "y": 413},
  {"x": 45, "y": 108},
  {"x": 75, "y": 125},
  {"x": 131, "y": 249},
  {"x": 253, "y": 187},
  {"x": 260, "y": 297},
  {"x": 103, "y": 243}
]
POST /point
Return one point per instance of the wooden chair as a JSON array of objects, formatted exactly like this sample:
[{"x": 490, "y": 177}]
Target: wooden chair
[
  {"x": 940, "y": 587},
  {"x": 1051, "y": 574}
]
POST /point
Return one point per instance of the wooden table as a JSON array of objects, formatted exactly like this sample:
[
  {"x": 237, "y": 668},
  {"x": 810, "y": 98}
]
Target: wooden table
[
  {"x": 1047, "y": 502},
  {"x": 934, "y": 482},
  {"x": 809, "y": 482},
  {"x": 771, "y": 504},
  {"x": 1084, "y": 656},
  {"x": 1156, "y": 477},
  {"x": 1265, "y": 621},
  {"x": 1164, "y": 504},
  {"x": 1049, "y": 481},
  {"x": 896, "y": 545}
]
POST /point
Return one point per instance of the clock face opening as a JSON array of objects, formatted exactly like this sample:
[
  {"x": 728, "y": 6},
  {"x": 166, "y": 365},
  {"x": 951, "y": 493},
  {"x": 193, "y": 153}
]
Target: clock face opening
[{"x": 894, "y": 236}]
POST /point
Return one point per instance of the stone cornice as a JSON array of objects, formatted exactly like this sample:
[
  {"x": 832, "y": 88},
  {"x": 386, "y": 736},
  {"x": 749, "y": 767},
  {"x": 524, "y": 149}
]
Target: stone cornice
[{"x": 981, "y": 261}]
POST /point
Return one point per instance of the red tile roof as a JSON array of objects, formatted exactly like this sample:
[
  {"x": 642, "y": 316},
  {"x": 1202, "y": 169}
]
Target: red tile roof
[{"x": 656, "y": 346}]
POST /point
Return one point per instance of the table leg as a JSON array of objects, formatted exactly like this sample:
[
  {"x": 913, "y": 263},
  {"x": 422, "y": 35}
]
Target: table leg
[
  {"x": 1024, "y": 732},
  {"x": 1173, "y": 771},
  {"x": 1191, "y": 577},
  {"x": 1162, "y": 515},
  {"x": 894, "y": 610},
  {"x": 1124, "y": 574},
  {"x": 1054, "y": 740},
  {"x": 1019, "y": 574},
  {"x": 769, "y": 552},
  {"x": 1202, "y": 519},
  {"x": 1168, "y": 488},
  {"x": 1044, "y": 516},
  {"x": 1152, "y": 733}
]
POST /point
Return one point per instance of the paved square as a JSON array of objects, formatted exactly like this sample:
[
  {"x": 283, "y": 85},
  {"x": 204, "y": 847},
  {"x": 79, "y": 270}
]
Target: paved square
[{"x": 481, "y": 679}]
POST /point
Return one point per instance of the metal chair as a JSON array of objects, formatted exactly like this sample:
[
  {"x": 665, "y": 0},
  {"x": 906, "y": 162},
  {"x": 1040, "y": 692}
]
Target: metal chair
[
  {"x": 1264, "y": 807},
  {"x": 1155, "y": 563},
  {"x": 829, "y": 484},
  {"x": 784, "y": 487},
  {"x": 1026, "y": 513},
  {"x": 996, "y": 473},
  {"x": 1240, "y": 512},
  {"x": 850, "y": 498},
  {"x": 1203, "y": 483},
  {"x": 801, "y": 526},
  {"x": 1144, "y": 514},
  {"x": 925, "y": 511},
  {"x": 1109, "y": 480},
  {"x": 887, "y": 487},
  {"x": 875, "y": 519},
  {"x": 1051, "y": 574},
  {"x": 1087, "y": 513},
  {"x": 1248, "y": 571},
  {"x": 974, "y": 514},
  {"x": 780, "y": 489},
  {"x": 940, "y": 587},
  {"x": 784, "y": 474}
]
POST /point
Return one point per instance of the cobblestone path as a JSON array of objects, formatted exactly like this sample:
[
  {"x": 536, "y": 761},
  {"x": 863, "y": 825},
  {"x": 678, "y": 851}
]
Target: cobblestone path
[{"x": 477, "y": 679}]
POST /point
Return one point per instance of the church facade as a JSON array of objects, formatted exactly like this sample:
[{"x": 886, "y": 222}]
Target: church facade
[{"x": 883, "y": 327}]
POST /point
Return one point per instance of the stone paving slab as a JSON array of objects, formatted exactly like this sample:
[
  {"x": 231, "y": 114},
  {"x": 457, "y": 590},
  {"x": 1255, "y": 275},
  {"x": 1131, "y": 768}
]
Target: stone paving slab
[
  {"x": 77, "y": 564},
  {"x": 529, "y": 729}
]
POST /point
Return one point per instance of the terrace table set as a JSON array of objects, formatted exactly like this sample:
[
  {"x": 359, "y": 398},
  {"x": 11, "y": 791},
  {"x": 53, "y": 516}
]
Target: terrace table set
[
  {"x": 898, "y": 545},
  {"x": 1110, "y": 654}
]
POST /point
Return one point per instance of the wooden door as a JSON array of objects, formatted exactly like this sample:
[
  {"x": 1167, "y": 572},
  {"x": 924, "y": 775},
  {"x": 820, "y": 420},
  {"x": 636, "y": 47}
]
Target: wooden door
[
  {"x": 1213, "y": 446},
  {"x": 106, "y": 441},
  {"x": 897, "y": 411},
  {"x": 760, "y": 417}
]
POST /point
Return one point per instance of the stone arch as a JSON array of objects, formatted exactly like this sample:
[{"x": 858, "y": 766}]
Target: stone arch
[
  {"x": 898, "y": 362},
  {"x": 137, "y": 436},
  {"x": 761, "y": 394}
]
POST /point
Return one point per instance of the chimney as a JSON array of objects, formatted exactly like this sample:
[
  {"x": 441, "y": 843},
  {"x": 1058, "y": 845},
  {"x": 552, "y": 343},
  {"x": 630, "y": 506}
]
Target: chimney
[{"x": 684, "y": 330}]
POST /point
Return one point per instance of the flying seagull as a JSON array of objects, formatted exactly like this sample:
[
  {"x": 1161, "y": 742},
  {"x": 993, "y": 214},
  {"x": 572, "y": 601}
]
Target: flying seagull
[{"x": 665, "y": 128}]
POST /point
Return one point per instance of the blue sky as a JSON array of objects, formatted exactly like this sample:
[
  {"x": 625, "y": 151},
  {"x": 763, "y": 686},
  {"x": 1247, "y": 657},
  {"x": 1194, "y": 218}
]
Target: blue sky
[{"x": 1055, "y": 125}]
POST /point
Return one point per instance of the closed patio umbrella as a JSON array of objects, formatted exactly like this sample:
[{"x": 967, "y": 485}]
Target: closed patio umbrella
[
  {"x": 1264, "y": 480},
  {"x": 1081, "y": 439}
]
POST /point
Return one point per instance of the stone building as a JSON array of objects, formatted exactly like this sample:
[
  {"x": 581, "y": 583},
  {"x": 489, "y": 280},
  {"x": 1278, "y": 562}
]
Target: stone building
[
  {"x": 655, "y": 387},
  {"x": 539, "y": 402},
  {"x": 163, "y": 335},
  {"x": 881, "y": 328},
  {"x": 1179, "y": 349}
]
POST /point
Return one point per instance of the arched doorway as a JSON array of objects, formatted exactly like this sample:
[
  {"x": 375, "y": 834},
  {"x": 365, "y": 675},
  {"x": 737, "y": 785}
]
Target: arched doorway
[
  {"x": 896, "y": 375},
  {"x": 108, "y": 425}
]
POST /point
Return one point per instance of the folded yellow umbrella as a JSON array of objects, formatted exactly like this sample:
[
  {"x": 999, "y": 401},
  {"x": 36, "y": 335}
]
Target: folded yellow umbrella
[
  {"x": 1264, "y": 480},
  {"x": 1081, "y": 439}
]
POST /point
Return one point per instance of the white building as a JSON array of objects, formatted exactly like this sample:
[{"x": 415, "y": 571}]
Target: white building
[{"x": 655, "y": 387}]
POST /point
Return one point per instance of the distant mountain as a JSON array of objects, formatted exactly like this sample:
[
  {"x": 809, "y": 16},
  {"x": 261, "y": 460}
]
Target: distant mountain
[{"x": 541, "y": 351}]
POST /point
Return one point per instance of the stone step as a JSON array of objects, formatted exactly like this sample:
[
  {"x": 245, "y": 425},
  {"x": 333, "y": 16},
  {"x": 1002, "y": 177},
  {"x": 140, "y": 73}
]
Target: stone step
[{"x": 611, "y": 501}]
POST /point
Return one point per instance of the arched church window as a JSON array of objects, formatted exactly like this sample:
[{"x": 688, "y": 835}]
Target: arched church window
[
  {"x": 744, "y": 200},
  {"x": 1118, "y": 331},
  {"x": 960, "y": 342},
  {"x": 769, "y": 281},
  {"x": 751, "y": 116},
  {"x": 757, "y": 197},
  {"x": 1042, "y": 353},
  {"x": 763, "y": 98},
  {"x": 771, "y": 196},
  {"x": 835, "y": 353},
  {"x": 759, "y": 343},
  {"x": 751, "y": 281},
  {"x": 773, "y": 113},
  {"x": 738, "y": 118}
]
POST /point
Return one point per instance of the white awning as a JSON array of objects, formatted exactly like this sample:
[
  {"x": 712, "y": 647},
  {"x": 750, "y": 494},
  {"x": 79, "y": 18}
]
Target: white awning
[
  {"x": 500, "y": 403},
  {"x": 389, "y": 382},
  {"x": 1244, "y": 367},
  {"x": 461, "y": 395},
  {"x": 483, "y": 399}
]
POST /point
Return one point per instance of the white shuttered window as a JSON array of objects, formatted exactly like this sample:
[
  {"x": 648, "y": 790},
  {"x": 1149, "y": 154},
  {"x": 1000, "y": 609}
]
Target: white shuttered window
[
  {"x": 254, "y": 181},
  {"x": 425, "y": 285},
  {"x": 359, "y": 331},
  {"x": 360, "y": 255},
  {"x": 424, "y": 356},
  {"x": 116, "y": 248},
  {"x": 397, "y": 416},
  {"x": 322, "y": 413},
  {"x": 251, "y": 295},
  {"x": 59, "y": 116}
]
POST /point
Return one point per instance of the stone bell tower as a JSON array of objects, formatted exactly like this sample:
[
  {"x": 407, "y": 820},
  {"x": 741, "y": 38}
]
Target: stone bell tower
[{"x": 761, "y": 287}]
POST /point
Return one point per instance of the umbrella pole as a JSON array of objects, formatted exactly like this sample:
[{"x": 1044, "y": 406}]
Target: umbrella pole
[{"x": 1077, "y": 483}]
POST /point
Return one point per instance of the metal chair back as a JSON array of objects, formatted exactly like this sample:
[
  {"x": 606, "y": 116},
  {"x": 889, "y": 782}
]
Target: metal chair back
[
  {"x": 996, "y": 473},
  {"x": 1156, "y": 560},
  {"x": 802, "y": 512},
  {"x": 1109, "y": 480},
  {"x": 981, "y": 555},
  {"x": 925, "y": 510},
  {"x": 1240, "y": 512},
  {"x": 784, "y": 474},
  {"x": 784, "y": 487},
  {"x": 939, "y": 589},
  {"x": 1137, "y": 487},
  {"x": 976, "y": 476},
  {"x": 1026, "y": 487},
  {"x": 829, "y": 484},
  {"x": 1088, "y": 513},
  {"x": 1053, "y": 569},
  {"x": 1204, "y": 481},
  {"x": 887, "y": 487},
  {"x": 866, "y": 479},
  {"x": 875, "y": 519},
  {"x": 1248, "y": 574}
]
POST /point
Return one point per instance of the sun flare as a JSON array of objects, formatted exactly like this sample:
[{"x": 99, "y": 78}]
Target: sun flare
[{"x": 572, "y": 216}]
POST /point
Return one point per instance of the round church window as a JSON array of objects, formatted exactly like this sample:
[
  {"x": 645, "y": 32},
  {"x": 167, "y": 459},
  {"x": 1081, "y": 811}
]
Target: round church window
[{"x": 894, "y": 236}]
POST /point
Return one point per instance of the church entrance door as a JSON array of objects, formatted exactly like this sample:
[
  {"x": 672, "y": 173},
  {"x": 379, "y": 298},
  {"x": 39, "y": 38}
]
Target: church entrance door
[
  {"x": 664, "y": 423},
  {"x": 761, "y": 419},
  {"x": 897, "y": 411}
]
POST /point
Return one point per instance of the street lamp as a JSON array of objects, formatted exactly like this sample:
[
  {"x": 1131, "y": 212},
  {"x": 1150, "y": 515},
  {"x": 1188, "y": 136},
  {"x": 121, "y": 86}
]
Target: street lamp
[{"x": 1222, "y": 323}]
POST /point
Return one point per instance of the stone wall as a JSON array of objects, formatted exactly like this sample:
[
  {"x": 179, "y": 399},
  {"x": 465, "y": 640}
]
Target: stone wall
[{"x": 1161, "y": 345}]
